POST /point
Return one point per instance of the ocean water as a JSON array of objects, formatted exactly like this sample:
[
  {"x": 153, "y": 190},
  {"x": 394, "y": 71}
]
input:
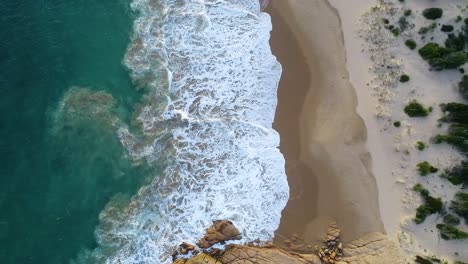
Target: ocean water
[
  {"x": 56, "y": 178},
  {"x": 120, "y": 143}
]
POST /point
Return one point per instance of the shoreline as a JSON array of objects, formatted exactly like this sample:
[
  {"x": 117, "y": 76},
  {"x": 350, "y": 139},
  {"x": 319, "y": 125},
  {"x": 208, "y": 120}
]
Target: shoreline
[{"x": 322, "y": 136}]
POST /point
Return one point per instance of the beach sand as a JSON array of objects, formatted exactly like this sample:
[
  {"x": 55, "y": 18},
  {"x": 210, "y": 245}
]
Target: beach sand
[
  {"x": 374, "y": 68},
  {"x": 322, "y": 137}
]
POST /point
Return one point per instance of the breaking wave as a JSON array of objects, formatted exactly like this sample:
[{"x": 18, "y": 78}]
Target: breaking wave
[{"x": 211, "y": 83}]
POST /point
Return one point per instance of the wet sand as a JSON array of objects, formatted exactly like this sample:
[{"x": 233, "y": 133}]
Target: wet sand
[{"x": 322, "y": 137}]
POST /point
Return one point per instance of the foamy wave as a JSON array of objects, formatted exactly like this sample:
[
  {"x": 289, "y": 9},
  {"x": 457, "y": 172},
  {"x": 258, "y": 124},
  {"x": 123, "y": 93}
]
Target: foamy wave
[{"x": 212, "y": 84}]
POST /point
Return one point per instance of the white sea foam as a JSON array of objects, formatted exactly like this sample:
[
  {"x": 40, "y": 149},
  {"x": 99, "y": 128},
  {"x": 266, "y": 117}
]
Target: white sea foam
[{"x": 212, "y": 96}]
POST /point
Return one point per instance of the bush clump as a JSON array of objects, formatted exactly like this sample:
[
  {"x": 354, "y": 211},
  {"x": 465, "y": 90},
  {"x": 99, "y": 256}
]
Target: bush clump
[
  {"x": 457, "y": 136},
  {"x": 446, "y": 28},
  {"x": 411, "y": 44},
  {"x": 408, "y": 12},
  {"x": 426, "y": 168},
  {"x": 431, "y": 205},
  {"x": 452, "y": 60},
  {"x": 458, "y": 174},
  {"x": 424, "y": 30},
  {"x": 432, "y": 13},
  {"x": 404, "y": 78},
  {"x": 455, "y": 113},
  {"x": 415, "y": 109},
  {"x": 395, "y": 31},
  {"x": 460, "y": 205},
  {"x": 450, "y": 219},
  {"x": 421, "y": 145},
  {"x": 397, "y": 123},
  {"x": 432, "y": 51},
  {"x": 455, "y": 43},
  {"x": 423, "y": 260},
  {"x": 463, "y": 86},
  {"x": 443, "y": 58},
  {"x": 449, "y": 232}
]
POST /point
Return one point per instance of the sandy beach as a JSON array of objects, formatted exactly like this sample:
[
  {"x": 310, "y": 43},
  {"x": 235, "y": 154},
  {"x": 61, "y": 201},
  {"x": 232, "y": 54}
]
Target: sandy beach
[{"x": 322, "y": 137}]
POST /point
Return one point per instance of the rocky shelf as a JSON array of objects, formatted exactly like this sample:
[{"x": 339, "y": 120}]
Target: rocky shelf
[{"x": 371, "y": 249}]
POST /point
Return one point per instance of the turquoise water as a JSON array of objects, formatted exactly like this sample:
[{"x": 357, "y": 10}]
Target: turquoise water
[{"x": 56, "y": 175}]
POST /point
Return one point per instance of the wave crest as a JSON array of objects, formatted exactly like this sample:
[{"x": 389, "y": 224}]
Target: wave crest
[{"x": 211, "y": 82}]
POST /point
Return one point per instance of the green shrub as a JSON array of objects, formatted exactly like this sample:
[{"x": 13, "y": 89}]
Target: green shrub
[
  {"x": 431, "y": 205},
  {"x": 449, "y": 232},
  {"x": 466, "y": 21},
  {"x": 450, "y": 219},
  {"x": 444, "y": 58},
  {"x": 446, "y": 28},
  {"x": 411, "y": 44},
  {"x": 386, "y": 21},
  {"x": 420, "y": 145},
  {"x": 457, "y": 136},
  {"x": 463, "y": 86},
  {"x": 452, "y": 60},
  {"x": 404, "y": 78},
  {"x": 432, "y": 51},
  {"x": 397, "y": 123},
  {"x": 455, "y": 113},
  {"x": 460, "y": 205},
  {"x": 424, "y": 30},
  {"x": 432, "y": 13},
  {"x": 420, "y": 189},
  {"x": 458, "y": 174},
  {"x": 408, "y": 12},
  {"x": 426, "y": 168},
  {"x": 422, "y": 260},
  {"x": 395, "y": 32},
  {"x": 455, "y": 43},
  {"x": 415, "y": 109},
  {"x": 403, "y": 23}
]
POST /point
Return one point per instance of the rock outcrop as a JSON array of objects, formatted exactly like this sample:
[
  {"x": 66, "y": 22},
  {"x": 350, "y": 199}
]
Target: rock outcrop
[
  {"x": 374, "y": 248},
  {"x": 239, "y": 254},
  {"x": 220, "y": 232}
]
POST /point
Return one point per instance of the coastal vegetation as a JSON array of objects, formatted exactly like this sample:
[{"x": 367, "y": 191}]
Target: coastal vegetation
[
  {"x": 449, "y": 232},
  {"x": 411, "y": 44},
  {"x": 404, "y": 78},
  {"x": 432, "y": 13},
  {"x": 460, "y": 205},
  {"x": 397, "y": 123},
  {"x": 431, "y": 205},
  {"x": 423, "y": 260},
  {"x": 433, "y": 260},
  {"x": 448, "y": 57},
  {"x": 463, "y": 86},
  {"x": 416, "y": 109},
  {"x": 458, "y": 174},
  {"x": 447, "y": 28},
  {"x": 421, "y": 145},
  {"x": 427, "y": 29},
  {"x": 450, "y": 219},
  {"x": 426, "y": 168}
]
